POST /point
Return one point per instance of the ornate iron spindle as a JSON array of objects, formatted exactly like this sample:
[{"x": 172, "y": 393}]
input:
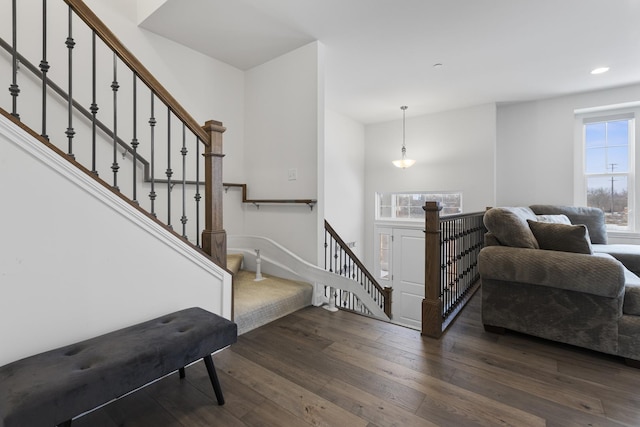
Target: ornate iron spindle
[
  {"x": 197, "y": 196},
  {"x": 14, "y": 89},
  {"x": 183, "y": 218},
  {"x": 152, "y": 125},
  {"x": 169, "y": 172},
  {"x": 70, "y": 43},
  {"x": 94, "y": 105},
  {"x": 134, "y": 140},
  {"x": 114, "y": 87},
  {"x": 44, "y": 68}
]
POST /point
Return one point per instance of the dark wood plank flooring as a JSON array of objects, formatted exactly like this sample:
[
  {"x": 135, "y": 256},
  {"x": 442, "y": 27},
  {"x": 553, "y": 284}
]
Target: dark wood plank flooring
[{"x": 319, "y": 368}]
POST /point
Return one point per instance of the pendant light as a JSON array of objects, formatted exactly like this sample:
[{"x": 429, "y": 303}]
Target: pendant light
[{"x": 403, "y": 162}]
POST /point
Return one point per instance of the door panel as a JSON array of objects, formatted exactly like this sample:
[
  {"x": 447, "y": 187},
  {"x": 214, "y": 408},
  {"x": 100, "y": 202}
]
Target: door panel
[{"x": 408, "y": 277}]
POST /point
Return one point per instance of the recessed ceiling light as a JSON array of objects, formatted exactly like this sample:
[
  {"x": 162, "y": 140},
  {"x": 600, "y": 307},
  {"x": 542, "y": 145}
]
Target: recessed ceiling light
[{"x": 600, "y": 70}]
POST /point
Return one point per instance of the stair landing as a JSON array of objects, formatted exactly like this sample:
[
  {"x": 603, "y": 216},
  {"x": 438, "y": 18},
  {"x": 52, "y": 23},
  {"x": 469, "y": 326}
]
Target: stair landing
[{"x": 258, "y": 303}]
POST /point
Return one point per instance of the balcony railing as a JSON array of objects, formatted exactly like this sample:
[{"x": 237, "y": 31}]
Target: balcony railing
[{"x": 452, "y": 245}]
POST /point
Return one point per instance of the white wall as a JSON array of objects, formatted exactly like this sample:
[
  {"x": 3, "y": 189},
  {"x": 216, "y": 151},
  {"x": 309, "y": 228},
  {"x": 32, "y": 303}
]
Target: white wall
[
  {"x": 344, "y": 178},
  {"x": 454, "y": 151},
  {"x": 283, "y": 122},
  {"x": 76, "y": 261},
  {"x": 535, "y": 146}
]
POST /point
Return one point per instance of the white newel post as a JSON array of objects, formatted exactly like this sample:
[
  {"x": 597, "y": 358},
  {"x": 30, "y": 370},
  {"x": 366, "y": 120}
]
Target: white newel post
[
  {"x": 258, "y": 272},
  {"x": 331, "y": 306}
]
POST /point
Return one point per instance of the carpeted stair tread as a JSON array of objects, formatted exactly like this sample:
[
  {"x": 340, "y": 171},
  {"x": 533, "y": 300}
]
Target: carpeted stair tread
[
  {"x": 234, "y": 262},
  {"x": 258, "y": 303}
]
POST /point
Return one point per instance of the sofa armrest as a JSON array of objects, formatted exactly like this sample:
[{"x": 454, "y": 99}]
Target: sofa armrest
[{"x": 597, "y": 274}]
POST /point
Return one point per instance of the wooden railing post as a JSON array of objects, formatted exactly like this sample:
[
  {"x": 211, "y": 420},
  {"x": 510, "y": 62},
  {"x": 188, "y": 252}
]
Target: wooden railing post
[
  {"x": 214, "y": 238},
  {"x": 432, "y": 302}
]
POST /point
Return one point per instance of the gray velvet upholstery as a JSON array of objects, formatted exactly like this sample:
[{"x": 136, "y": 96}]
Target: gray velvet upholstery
[
  {"x": 592, "y": 218},
  {"x": 561, "y": 237},
  {"x": 53, "y": 387},
  {"x": 629, "y": 255},
  {"x": 583, "y": 299},
  {"x": 509, "y": 226}
]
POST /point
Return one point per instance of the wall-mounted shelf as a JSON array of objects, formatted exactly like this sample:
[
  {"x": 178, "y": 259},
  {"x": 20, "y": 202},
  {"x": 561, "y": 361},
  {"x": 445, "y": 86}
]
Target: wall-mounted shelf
[{"x": 257, "y": 202}]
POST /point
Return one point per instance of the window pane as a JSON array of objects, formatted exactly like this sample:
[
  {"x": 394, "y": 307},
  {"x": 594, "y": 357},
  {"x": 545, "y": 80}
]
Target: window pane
[
  {"x": 409, "y": 205},
  {"x": 595, "y": 135},
  {"x": 385, "y": 256},
  {"x": 618, "y": 132},
  {"x": 596, "y": 160},
  {"x": 609, "y": 193},
  {"x": 618, "y": 159}
]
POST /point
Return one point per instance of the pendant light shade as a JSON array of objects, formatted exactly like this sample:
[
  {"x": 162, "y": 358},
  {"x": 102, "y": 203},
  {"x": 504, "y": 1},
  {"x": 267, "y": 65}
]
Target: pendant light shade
[{"x": 404, "y": 163}]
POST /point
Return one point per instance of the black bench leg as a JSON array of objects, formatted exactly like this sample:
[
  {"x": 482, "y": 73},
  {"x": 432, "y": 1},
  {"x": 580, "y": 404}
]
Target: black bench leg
[
  {"x": 181, "y": 370},
  {"x": 65, "y": 424},
  {"x": 208, "y": 361}
]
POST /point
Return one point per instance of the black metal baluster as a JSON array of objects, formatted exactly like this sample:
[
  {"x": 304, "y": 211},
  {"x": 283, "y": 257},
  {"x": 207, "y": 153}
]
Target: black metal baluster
[
  {"x": 70, "y": 43},
  {"x": 183, "y": 218},
  {"x": 325, "y": 248},
  {"x": 94, "y": 105},
  {"x": 134, "y": 140},
  {"x": 114, "y": 87},
  {"x": 331, "y": 254},
  {"x": 169, "y": 172},
  {"x": 14, "y": 89},
  {"x": 197, "y": 196},
  {"x": 152, "y": 124},
  {"x": 44, "y": 68}
]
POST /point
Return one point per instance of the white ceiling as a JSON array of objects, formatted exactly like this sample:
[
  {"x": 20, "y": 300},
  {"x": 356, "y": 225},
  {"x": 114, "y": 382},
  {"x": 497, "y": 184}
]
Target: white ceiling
[{"x": 380, "y": 54}]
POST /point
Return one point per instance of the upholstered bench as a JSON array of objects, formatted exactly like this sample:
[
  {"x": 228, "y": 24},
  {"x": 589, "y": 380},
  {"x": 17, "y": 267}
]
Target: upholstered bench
[{"x": 51, "y": 388}]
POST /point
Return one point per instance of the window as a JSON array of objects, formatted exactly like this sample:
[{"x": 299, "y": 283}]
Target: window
[
  {"x": 408, "y": 206},
  {"x": 608, "y": 166}
]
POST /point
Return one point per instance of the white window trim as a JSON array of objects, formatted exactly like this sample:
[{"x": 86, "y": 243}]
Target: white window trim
[
  {"x": 379, "y": 220},
  {"x": 612, "y": 112}
]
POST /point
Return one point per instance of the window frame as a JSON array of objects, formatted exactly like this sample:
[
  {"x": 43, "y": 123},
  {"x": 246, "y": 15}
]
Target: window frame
[
  {"x": 584, "y": 117},
  {"x": 394, "y": 204}
]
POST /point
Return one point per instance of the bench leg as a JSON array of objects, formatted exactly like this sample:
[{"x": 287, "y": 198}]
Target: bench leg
[
  {"x": 211, "y": 369},
  {"x": 181, "y": 370}
]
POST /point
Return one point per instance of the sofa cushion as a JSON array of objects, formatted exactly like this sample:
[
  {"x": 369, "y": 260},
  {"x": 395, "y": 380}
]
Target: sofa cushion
[
  {"x": 561, "y": 237},
  {"x": 629, "y": 255},
  {"x": 556, "y": 219},
  {"x": 593, "y": 218},
  {"x": 631, "y": 293},
  {"x": 509, "y": 226}
]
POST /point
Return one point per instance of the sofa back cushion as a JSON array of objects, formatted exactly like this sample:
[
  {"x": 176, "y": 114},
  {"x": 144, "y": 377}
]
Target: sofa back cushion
[
  {"x": 561, "y": 237},
  {"x": 509, "y": 226},
  {"x": 592, "y": 218}
]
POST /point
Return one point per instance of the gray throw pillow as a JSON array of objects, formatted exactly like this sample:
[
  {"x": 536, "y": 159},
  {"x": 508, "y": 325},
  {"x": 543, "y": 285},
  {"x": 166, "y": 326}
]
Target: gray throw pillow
[
  {"x": 509, "y": 226},
  {"x": 593, "y": 218},
  {"x": 561, "y": 237}
]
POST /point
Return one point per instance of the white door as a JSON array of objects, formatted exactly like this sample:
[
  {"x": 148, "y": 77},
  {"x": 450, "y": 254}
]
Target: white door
[{"x": 408, "y": 277}]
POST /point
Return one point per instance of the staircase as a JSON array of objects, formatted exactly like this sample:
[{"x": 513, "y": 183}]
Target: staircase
[
  {"x": 83, "y": 107},
  {"x": 86, "y": 236},
  {"x": 275, "y": 260}
]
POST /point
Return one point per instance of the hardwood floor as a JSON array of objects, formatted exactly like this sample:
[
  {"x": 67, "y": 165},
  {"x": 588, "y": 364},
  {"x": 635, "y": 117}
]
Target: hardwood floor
[{"x": 319, "y": 368}]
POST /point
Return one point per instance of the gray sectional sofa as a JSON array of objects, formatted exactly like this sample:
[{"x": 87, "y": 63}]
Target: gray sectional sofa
[{"x": 548, "y": 271}]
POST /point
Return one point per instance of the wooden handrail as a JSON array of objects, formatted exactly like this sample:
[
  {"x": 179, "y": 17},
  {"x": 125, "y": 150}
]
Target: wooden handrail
[
  {"x": 245, "y": 198},
  {"x": 102, "y": 31},
  {"x": 384, "y": 291}
]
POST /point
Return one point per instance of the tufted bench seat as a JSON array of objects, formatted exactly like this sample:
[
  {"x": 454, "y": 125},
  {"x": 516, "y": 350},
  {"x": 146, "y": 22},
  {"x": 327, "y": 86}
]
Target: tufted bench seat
[{"x": 51, "y": 388}]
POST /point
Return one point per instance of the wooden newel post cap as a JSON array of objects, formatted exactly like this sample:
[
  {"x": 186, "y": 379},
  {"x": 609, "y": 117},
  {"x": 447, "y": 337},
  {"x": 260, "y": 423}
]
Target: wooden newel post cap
[
  {"x": 213, "y": 126},
  {"x": 432, "y": 206}
]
